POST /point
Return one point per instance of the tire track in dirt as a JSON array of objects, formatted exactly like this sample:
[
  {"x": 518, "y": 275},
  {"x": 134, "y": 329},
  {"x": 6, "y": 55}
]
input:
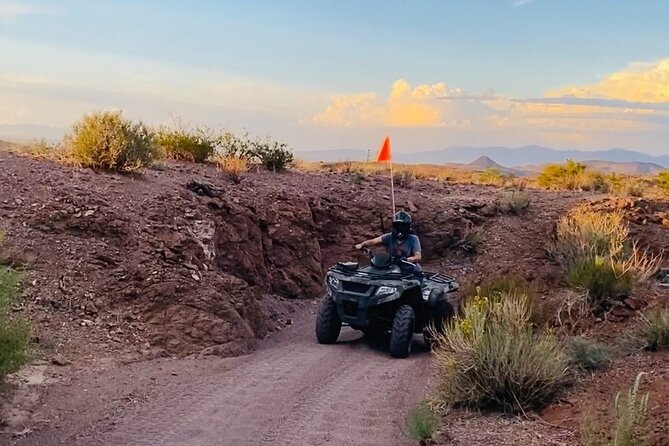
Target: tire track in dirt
[{"x": 292, "y": 392}]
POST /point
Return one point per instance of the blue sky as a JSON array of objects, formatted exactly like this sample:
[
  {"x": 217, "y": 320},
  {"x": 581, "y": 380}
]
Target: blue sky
[{"x": 327, "y": 74}]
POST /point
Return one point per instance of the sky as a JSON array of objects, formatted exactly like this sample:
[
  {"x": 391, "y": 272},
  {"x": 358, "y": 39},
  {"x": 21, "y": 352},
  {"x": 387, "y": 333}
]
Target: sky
[{"x": 328, "y": 74}]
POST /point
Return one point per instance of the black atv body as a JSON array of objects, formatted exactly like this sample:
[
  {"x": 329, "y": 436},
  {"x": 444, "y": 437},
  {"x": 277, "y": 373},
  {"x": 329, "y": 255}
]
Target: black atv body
[{"x": 389, "y": 296}]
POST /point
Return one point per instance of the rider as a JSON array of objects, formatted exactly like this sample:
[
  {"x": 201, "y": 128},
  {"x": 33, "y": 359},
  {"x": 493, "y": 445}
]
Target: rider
[{"x": 400, "y": 242}]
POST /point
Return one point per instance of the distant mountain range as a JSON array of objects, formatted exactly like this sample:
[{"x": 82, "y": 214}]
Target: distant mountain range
[{"x": 521, "y": 159}]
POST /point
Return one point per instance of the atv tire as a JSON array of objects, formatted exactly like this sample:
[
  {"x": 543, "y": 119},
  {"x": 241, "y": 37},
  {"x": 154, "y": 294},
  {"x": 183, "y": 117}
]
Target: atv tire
[
  {"x": 401, "y": 335},
  {"x": 328, "y": 323}
]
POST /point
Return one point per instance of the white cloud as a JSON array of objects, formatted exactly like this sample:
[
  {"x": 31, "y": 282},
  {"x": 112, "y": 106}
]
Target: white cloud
[
  {"x": 11, "y": 10},
  {"x": 518, "y": 3}
]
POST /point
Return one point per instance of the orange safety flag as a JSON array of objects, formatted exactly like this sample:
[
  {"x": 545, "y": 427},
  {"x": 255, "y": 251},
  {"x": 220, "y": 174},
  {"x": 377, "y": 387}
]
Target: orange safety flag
[{"x": 384, "y": 151}]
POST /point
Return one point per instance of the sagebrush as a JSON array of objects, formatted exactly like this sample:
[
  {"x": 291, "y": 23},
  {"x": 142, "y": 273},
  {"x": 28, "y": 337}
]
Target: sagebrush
[{"x": 108, "y": 141}]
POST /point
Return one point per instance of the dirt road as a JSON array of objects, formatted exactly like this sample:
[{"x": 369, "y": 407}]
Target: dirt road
[{"x": 292, "y": 391}]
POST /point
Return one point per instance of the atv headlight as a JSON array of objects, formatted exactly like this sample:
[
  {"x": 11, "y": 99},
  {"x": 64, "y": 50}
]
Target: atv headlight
[
  {"x": 386, "y": 290},
  {"x": 333, "y": 281},
  {"x": 426, "y": 295}
]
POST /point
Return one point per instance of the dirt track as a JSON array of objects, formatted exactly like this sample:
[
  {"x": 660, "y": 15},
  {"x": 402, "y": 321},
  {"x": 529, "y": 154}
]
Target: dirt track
[{"x": 291, "y": 391}]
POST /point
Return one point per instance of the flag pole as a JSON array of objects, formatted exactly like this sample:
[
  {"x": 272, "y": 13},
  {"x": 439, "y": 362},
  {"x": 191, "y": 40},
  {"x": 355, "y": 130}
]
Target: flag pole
[{"x": 392, "y": 186}]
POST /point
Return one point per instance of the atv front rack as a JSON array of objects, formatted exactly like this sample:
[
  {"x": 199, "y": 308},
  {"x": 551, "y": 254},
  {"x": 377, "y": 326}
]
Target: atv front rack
[{"x": 370, "y": 275}]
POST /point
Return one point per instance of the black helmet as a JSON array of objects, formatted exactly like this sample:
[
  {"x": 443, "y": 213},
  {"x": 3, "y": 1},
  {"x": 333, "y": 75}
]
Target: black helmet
[{"x": 402, "y": 225}]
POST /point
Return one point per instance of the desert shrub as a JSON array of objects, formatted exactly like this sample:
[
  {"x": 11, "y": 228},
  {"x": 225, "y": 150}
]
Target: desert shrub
[
  {"x": 492, "y": 177},
  {"x": 652, "y": 333},
  {"x": 601, "y": 277},
  {"x": 231, "y": 145},
  {"x": 662, "y": 180},
  {"x": 632, "y": 424},
  {"x": 635, "y": 188},
  {"x": 571, "y": 176},
  {"x": 515, "y": 201},
  {"x": 233, "y": 167},
  {"x": 422, "y": 423},
  {"x": 186, "y": 145},
  {"x": 471, "y": 240},
  {"x": 589, "y": 234},
  {"x": 491, "y": 357},
  {"x": 588, "y": 355},
  {"x": 508, "y": 285},
  {"x": 356, "y": 177},
  {"x": 14, "y": 331},
  {"x": 108, "y": 141},
  {"x": 595, "y": 252},
  {"x": 273, "y": 155},
  {"x": 404, "y": 178}
]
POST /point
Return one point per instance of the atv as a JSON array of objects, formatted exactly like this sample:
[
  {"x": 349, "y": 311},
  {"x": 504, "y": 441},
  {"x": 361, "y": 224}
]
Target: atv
[{"x": 391, "y": 295}]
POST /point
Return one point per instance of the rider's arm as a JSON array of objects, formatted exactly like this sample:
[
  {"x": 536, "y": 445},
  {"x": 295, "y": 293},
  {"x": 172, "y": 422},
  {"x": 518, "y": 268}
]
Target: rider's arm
[
  {"x": 416, "y": 249},
  {"x": 372, "y": 242},
  {"x": 416, "y": 257}
]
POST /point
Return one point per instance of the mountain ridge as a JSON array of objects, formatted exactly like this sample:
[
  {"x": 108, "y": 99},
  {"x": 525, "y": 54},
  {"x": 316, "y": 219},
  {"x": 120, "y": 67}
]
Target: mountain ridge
[{"x": 502, "y": 155}]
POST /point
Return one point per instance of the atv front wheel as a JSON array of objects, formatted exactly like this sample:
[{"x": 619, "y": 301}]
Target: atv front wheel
[
  {"x": 328, "y": 324},
  {"x": 402, "y": 332}
]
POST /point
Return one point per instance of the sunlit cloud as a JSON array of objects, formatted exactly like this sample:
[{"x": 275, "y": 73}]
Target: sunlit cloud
[
  {"x": 639, "y": 82},
  {"x": 405, "y": 106}
]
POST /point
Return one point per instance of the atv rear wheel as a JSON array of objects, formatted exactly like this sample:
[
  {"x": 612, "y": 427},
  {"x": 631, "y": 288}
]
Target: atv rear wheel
[
  {"x": 401, "y": 335},
  {"x": 328, "y": 323}
]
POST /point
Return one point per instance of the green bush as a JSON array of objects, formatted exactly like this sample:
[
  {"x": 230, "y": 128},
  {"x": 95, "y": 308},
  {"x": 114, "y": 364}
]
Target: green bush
[
  {"x": 14, "y": 331},
  {"x": 273, "y": 155},
  {"x": 422, "y": 423},
  {"x": 106, "y": 140},
  {"x": 180, "y": 144},
  {"x": 588, "y": 355},
  {"x": 594, "y": 250},
  {"x": 600, "y": 277},
  {"x": 662, "y": 180},
  {"x": 493, "y": 177},
  {"x": 571, "y": 176},
  {"x": 491, "y": 357}
]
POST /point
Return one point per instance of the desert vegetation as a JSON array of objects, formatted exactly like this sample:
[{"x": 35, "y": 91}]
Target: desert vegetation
[
  {"x": 108, "y": 141},
  {"x": 631, "y": 426},
  {"x": 14, "y": 330},
  {"x": 492, "y": 356},
  {"x": 597, "y": 256}
]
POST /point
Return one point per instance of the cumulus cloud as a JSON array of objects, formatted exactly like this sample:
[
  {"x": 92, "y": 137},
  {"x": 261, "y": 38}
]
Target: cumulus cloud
[
  {"x": 639, "y": 82},
  {"x": 405, "y": 106}
]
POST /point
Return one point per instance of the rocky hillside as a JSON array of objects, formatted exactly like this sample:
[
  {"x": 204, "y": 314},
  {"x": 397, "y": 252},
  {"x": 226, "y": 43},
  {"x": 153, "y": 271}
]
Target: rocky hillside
[{"x": 182, "y": 260}]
